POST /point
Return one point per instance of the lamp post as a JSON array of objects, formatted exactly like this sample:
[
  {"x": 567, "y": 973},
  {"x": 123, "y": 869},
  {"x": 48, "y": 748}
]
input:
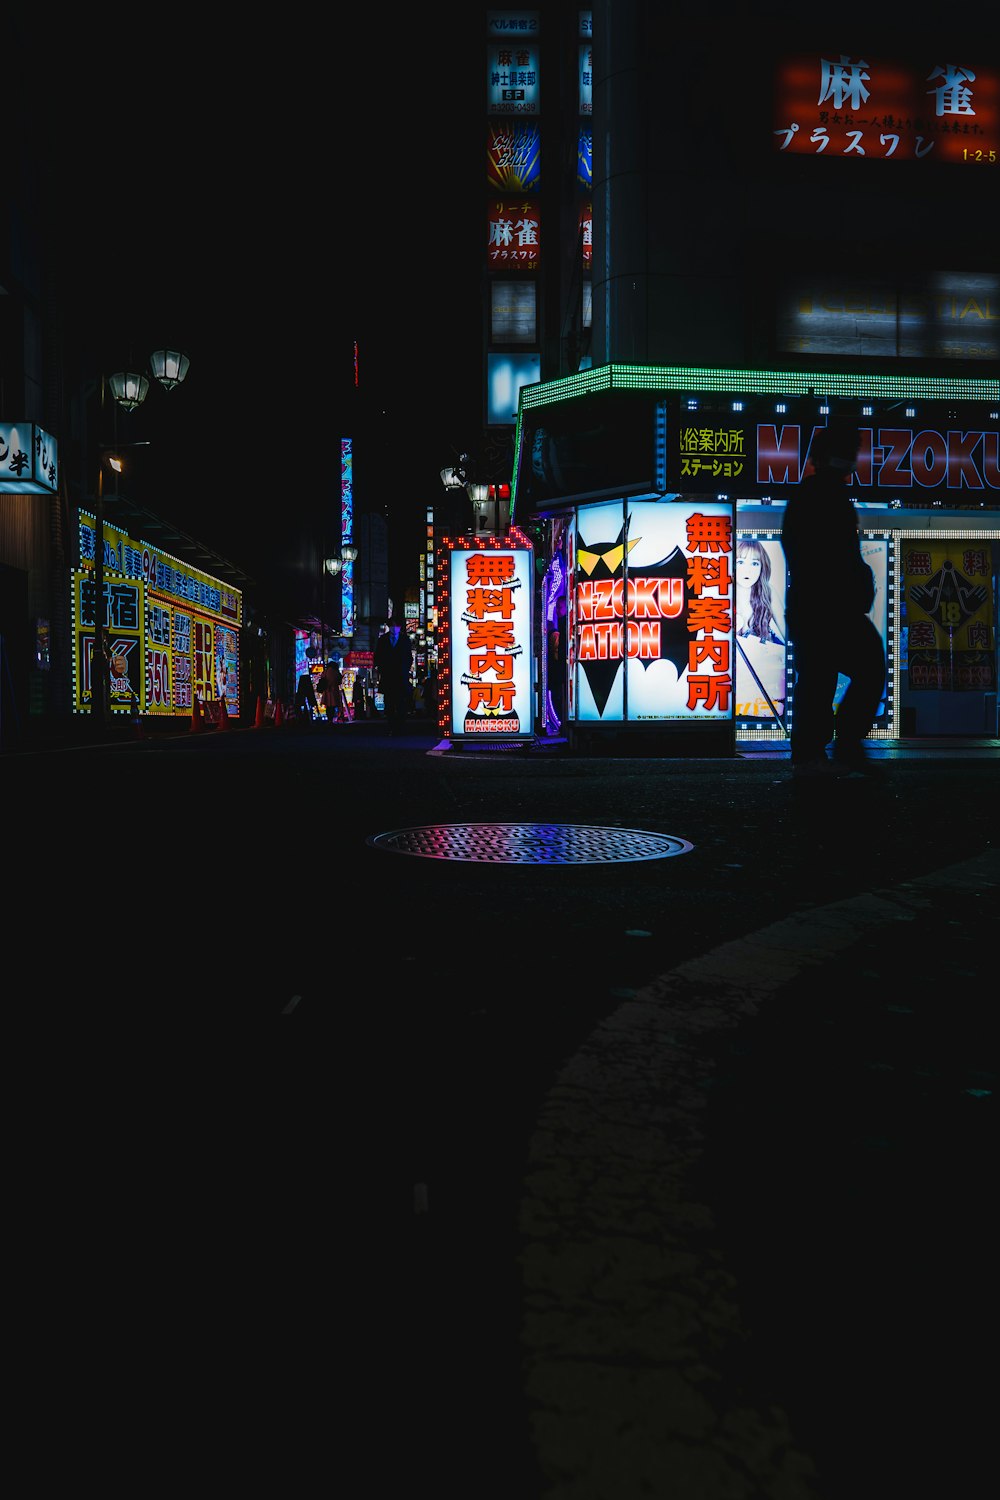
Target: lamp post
[
  {"x": 459, "y": 477},
  {"x": 333, "y": 566},
  {"x": 129, "y": 389}
]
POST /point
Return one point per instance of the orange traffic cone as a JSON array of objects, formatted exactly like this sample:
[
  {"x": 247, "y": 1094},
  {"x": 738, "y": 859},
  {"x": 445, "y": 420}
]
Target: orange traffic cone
[
  {"x": 260, "y": 719},
  {"x": 279, "y": 716},
  {"x": 197, "y": 722}
]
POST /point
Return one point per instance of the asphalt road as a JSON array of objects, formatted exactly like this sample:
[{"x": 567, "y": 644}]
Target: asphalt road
[{"x": 382, "y": 1163}]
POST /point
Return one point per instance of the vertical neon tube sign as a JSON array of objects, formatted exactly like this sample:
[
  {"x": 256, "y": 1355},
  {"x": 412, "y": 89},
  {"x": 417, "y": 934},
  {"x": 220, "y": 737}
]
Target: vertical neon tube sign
[{"x": 347, "y": 534}]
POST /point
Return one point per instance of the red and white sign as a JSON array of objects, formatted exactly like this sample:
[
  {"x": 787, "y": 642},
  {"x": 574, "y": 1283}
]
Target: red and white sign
[{"x": 486, "y": 640}]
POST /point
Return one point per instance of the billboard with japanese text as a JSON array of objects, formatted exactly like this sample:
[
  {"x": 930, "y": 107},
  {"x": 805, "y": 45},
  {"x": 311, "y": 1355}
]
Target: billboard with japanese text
[
  {"x": 485, "y": 645},
  {"x": 173, "y": 631},
  {"x": 941, "y": 106},
  {"x": 651, "y": 611}
]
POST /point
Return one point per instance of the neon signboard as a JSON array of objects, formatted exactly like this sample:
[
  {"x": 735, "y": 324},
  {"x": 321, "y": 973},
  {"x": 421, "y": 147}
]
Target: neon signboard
[
  {"x": 29, "y": 460},
  {"x": 173, "y": 631},
  {"x": 514, "y": 235},
  {"x": 514, "y": 156},
  {"x": 651, "y": 611},
  {"x": 949, "y": 461},
  {"x": 841, "y": 104},
  {"x": 485, "y": 640}
]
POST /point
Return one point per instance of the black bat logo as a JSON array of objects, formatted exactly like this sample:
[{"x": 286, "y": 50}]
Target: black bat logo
[{"x": 599, "y": 560}]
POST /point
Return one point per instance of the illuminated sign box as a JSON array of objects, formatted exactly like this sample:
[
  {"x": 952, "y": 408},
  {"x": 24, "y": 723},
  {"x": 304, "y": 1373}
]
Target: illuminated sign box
[
  {"x": 859, "y": 105},
  {"x": 651, "y": 612},
  {"x": 513, "y": 76},
  {"x": 947, "y": 315},
  {"x": 513, "y": 156},
  {"x": 485, "y": 644},
  {"x": 513, "y": 312},
  {"x": 506, "y": 374},
  {"x": 29, "y": 460},
  {"x": 514, "y": 235},
  {"x": 173, "y": 631}
]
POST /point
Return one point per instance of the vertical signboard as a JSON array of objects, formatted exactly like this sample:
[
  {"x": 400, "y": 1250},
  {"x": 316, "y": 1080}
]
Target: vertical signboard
[
  {"x": 513, "y": 233},
  {"x": 513, "y": 75},
  {"x": 347, "y": 535},
  {"x": 487, "y": 648}
]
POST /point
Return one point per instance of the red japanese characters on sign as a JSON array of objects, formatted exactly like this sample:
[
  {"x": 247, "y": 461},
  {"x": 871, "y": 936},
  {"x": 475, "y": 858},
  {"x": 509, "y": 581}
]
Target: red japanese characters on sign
[
  {"x": 710, "y": 540},
  {"x": 651, "y": 618},
  {"x": 488, "y": 606}
]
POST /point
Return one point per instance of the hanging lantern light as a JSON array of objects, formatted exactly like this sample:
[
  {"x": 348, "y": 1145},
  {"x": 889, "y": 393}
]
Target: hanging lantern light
[
  {"x": 334, "y": 565},
  {"x": 128, "y": 388},
  {"x": 169, "y": 367},
  {"x": 348, "y": 551}
]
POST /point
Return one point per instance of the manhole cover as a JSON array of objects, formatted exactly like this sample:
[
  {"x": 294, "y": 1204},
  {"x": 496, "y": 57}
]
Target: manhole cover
[{"x": 530, "y": 843}]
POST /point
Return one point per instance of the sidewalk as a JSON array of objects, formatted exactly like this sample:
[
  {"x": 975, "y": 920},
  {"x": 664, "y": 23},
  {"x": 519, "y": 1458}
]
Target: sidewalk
[{"x": 755, "y": 1219}]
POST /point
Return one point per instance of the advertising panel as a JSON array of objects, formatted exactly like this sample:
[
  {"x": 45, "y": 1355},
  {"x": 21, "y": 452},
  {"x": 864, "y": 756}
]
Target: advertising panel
[
  {"x": 875, "y": 551},
  {"x": 941, "y": 458},
  {"x": 949, "y": 614},
  {"x": 760, "y": 640},
  {"x": 505, "y": 375},
  {"x": 947, "y": 315},
  {"x": 513, "y": 233},
  {"x": 651, "y": 615},
  {"x": 486, "y": 645},
  {"x": 764, "y": 673},
  {"x": 173, "y": 631},
  {"x": 585, "y": 158},
  {"x": 936, "y": 107},
  {"x": 587, "y": 235},
  {"x": 514, "y": 156},
  {"x": 513, "y": 311},
  {"x": 513, "y": 77},
  {"x": 586, "y": 78},
  {"x": 29, "y": 460}
]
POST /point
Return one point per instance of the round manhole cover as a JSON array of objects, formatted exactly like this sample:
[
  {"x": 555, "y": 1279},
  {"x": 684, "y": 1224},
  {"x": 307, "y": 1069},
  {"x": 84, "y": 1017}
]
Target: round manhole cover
[{"x": 530, "y": 843}]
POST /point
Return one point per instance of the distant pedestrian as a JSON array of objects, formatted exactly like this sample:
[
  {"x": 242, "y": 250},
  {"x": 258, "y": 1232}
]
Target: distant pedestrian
[
  {"x": 359, "y": 705},
  {"x": 393, "y": 659},
  {"x": 431, "y": 694},
  {"x": 305, "y": 698},
  {"x": 330, "y": 687},
  {"x": 830, "y": 591}
]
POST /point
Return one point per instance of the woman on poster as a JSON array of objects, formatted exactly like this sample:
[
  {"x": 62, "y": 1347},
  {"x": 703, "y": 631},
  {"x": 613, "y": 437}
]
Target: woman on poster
[{"x": 759, "y": 639}]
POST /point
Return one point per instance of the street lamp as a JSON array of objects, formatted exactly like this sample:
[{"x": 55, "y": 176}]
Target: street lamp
[
  {"x": 458, "y": 477},
  {"x": 129, "y": 389}
]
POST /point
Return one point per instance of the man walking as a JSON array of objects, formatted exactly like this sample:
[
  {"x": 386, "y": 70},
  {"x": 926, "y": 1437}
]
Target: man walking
[
  {"x": 830, "y": 590},
  {"x": 393, "y": 659}
]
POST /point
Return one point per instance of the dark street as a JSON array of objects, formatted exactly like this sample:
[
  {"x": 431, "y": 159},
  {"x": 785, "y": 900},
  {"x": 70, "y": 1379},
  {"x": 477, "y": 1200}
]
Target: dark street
[{"x": 675, "y": 1164}]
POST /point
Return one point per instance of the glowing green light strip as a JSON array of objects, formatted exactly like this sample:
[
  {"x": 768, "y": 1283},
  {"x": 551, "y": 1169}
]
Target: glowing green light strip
[{"x": 760, "y": 382}]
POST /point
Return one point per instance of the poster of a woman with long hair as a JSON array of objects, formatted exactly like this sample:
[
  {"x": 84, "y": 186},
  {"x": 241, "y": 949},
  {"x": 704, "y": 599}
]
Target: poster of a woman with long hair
[{"x": 759, "y": 575}]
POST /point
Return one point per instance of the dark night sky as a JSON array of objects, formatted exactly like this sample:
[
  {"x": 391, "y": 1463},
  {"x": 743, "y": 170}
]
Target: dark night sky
[{"x": 258, "y": 200}]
